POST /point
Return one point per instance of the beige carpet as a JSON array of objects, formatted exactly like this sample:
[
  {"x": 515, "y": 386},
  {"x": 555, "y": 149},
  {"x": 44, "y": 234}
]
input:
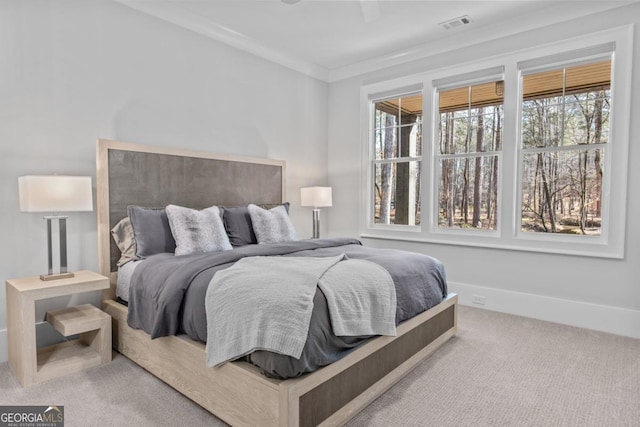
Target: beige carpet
[{"x": 500, "y": 370}]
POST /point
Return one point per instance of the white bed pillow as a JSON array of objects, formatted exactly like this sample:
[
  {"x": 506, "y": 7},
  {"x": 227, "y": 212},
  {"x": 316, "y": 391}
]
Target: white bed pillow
[
  {"x": 197, "y": 231},
  {"x": 273, "y": 225}
]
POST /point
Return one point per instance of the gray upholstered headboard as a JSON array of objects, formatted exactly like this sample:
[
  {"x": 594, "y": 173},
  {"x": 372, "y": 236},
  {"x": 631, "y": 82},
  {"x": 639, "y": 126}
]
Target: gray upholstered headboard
[{"x": 142, "y": 175}]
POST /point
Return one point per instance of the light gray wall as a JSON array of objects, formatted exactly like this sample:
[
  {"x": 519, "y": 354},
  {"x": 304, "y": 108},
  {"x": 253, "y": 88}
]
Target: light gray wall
[
  {"x": 597, "y": 293},
  {"x": 75, "y": 71}
]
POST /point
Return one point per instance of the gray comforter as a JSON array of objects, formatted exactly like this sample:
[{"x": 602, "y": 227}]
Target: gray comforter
[{"x": 167, "y": 296}]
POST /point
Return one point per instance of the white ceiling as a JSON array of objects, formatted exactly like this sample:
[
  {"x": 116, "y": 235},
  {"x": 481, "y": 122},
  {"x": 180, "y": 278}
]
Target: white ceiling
[{"x": 331, "y": 40}]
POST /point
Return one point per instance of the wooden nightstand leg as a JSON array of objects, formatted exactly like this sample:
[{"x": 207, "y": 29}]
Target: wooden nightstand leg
[
  {"x": 21, "y": 324},
  {"x": 30, "y": 347},
  {"x": 99, "y": 340},
  {"x": 106, "y": 349}
]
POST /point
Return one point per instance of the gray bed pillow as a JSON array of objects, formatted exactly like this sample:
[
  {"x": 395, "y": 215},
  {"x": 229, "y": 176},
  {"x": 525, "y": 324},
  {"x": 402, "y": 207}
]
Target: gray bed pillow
[
  {"x": 197, "y": 231},
  {"x": 122, "y": 234},
  {"x": 237, "y": 222},
  {"x": 151, "y": 231},
  {"x": 273, "y": 225}
]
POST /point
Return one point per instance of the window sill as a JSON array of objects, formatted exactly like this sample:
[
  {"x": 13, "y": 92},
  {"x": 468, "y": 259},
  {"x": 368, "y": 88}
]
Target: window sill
[{"x": 587, "y": 249}]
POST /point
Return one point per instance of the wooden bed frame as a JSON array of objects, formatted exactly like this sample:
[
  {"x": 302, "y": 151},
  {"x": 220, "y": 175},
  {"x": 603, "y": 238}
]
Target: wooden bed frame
[{"x": 237, "y": 392}]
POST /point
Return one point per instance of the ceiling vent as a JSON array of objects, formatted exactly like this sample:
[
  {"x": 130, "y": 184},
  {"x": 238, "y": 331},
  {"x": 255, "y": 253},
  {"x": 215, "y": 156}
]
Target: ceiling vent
[{"x": 456, "y": 22}]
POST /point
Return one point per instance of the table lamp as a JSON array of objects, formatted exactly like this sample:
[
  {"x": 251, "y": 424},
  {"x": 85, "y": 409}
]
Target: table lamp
[
  {"x": 318, "y": 197},
  {"x": 55, "y": 194}
]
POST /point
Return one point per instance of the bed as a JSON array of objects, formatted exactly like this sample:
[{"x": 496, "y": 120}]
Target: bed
[{"x": 237, "y": 392}]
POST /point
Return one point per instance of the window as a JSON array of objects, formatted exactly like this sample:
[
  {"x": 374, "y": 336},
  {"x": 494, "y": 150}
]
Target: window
[
  {"x": 397, "y": 138},
  {"x": 522, "y": 151},
  {"x": 565, "y": 131},
  {"x": 469, "y": 145}
]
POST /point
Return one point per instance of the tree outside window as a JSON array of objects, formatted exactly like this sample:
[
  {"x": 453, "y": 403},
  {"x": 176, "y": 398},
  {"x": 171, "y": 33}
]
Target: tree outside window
[
  {"x": 470, "y": 142},
  {"x": 397, "y": 136},
  {"x": 565, "y": 131}
]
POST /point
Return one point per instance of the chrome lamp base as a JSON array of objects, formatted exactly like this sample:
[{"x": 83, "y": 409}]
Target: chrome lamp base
[
  {"x": 316, "y": 223},
  {"x": 63, "y": 274}
]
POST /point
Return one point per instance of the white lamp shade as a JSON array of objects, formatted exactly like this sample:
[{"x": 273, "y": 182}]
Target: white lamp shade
[
  {"x": 318, "y": 197},
  {"x": 55, "y": 193}
]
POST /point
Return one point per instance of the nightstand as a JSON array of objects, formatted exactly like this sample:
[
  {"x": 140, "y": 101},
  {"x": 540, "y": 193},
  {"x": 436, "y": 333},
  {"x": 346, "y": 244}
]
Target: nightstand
[{"x": 33, "y": 365}]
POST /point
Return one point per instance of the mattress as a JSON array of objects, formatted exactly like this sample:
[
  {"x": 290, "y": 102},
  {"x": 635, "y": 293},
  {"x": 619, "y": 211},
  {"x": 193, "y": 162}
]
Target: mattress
[
  {"x": 166, "y": 296},
  {"x": 124, "y": 279}
]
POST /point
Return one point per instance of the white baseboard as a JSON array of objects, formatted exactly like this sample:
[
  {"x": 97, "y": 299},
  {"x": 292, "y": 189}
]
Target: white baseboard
[{"x": 615, "y": 320}]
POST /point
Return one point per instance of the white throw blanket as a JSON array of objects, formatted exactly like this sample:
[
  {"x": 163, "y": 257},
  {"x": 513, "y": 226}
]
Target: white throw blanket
[
  {"x": 265, "y": 303},
  {"x": 361, "y": 297}
]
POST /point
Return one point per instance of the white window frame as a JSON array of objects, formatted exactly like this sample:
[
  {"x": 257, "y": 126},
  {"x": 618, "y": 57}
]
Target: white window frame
[
  {"x": 602, "y": 53},
  {"x": 370, "y": 154},
  {"x": 469, "y": 79},
  {"x": 611, "y": 242}
]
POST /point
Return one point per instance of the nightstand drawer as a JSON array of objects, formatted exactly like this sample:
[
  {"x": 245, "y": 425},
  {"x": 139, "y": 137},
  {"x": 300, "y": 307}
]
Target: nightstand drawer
[{"x": 79, "y": 319}]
